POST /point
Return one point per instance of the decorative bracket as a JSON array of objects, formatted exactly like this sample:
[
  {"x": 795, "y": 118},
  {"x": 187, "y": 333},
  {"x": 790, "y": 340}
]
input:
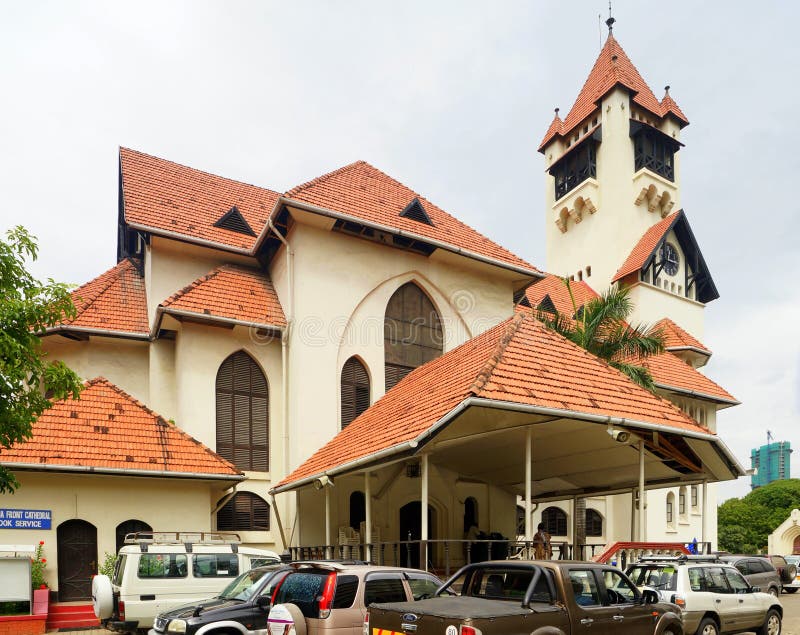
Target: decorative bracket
[{"x": 662, "y": 203}]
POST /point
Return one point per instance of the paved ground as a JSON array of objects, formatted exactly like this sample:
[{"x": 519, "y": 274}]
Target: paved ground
[{"x": 791, "y": 618}]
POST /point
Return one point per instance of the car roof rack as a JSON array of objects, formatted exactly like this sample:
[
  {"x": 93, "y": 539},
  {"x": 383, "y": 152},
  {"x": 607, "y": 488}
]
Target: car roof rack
[
  {"x": 681, "y": 558},
  {"x": 186, "y": 538}
]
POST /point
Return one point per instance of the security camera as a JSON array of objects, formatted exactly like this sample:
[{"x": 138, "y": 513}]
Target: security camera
[
  {"x": 620, "y": 436},
  {"x": 323, "y": 481}
]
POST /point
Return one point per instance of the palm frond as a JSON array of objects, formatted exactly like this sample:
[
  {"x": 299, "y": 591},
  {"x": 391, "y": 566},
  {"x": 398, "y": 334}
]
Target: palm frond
[{"x": 638, "y": 374}]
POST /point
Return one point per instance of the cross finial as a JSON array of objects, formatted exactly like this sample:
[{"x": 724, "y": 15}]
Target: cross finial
[{"x": 611, "y": 20}]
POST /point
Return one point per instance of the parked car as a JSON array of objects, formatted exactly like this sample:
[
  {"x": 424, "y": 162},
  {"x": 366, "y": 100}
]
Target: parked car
[
  {"x": 758, "y": 571},
  {"x": 332, "y": 597},
  {"x": 242, "y": 607},
  {"x": 786, "y": 570},
  {"x": 714, "y": 596},
  {"x": 519, "y": 597},
  {"x": 158, "y": 571},
  {"x": 791, "y": 587}
]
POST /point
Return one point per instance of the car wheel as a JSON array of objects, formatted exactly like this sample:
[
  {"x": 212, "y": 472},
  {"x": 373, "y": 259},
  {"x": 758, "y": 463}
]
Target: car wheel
[
  {"x": 790, "y": 589},
  {"x": 771, "y": 625},
  {"x": 286, "y": 619},
  {"x": 789, "y": 572},
  {"x": 102, "y": 597},
  {"x": 707, "y": 627}
]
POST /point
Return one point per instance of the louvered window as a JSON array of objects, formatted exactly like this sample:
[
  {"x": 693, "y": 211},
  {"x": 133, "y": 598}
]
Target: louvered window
[
  {"x": 594, "y": 523},
  {"x": 243, "y": 413},
  {"x": 244, "y": 512},
  {"x": 412, "y": 332},
  {"x": 555, "y": 521},
  {"x": 355, "y": 390}
]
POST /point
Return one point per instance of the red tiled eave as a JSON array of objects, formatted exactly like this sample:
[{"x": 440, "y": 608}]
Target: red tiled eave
[
  {"x": 361, "y": 192},
  {"x": 670, "y": 372},
  {"x": 519, "y": 361},
  {"x": 113, "y": 303},
  {"x": 647, "y": 244},
  {"x": 230, "y": 292},
  {"x": 556, "y": 289},
  {"x": 107, "y": 430},
  {"x": 612, "y": 68},
  {"x": 675, "y": 338}
]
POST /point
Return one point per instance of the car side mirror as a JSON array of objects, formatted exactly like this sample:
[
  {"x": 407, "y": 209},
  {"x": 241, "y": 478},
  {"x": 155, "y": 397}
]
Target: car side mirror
[
  {"x": 649, "y": 596},
  {"x": 264, "y": 602}
]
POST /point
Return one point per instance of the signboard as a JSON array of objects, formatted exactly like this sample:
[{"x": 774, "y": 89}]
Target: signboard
[{"x": 25, "y": 518}]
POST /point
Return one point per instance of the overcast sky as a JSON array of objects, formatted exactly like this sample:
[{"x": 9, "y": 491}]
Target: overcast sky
[{"x": 451, "y": 98}]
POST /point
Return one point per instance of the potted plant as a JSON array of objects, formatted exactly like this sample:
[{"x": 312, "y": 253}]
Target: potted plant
[{"x": 41, "y": 593}]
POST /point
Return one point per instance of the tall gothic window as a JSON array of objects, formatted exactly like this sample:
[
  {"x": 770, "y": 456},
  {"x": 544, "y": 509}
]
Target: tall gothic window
[
  {"x": 355, "y": 390},
  {"x": 244, "y": 512},
  {"x": 412, "y": 333},
  {"x": 555, "y": 521},
  {"x": 243, "y": 413}
]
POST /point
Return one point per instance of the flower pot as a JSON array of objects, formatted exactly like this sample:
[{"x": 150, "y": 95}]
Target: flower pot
[{"x": 41, "y": 600}]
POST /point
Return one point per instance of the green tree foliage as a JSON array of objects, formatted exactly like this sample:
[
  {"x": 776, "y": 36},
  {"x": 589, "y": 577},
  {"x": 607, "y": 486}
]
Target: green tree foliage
[
  {"x": 28, "y": 381},
  {"x": 743, "y": 524},
  {"x": 601, "y": 327}
]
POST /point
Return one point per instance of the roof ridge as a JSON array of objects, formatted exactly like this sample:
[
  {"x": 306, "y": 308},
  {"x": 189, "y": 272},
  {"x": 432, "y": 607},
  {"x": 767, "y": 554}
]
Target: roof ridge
[
  {"x": 193, "y": 285},
  {"x": 110, "y": 279},
  {"x": 189, "y": 167},
  {"x": 488, "y": 368},
  {"x": 322, "y": 178}
]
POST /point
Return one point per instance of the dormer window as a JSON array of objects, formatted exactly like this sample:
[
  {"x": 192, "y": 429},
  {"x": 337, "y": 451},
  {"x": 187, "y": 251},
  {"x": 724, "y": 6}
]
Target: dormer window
[
  {"x": 653, "y": 150},
  {"x": 576, "y": 165}
]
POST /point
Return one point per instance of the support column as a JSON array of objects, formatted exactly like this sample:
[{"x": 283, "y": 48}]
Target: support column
[
  {"x": 423, "y": 551},
  {"x": 528, "y": 488},
  {"x": 642, "y": 537},
  {"x": 575, "y": 548},
  {"x": 328, "y": 522},
  {"x": 633, "y": 514},
  {"x": 704, "y": 533},
  {"x": 368, "y": 514}
]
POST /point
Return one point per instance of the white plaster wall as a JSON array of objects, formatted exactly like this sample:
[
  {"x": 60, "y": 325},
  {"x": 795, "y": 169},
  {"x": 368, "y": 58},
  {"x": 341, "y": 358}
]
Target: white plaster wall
[
  {"x": 342, "y": 285},
  {"x": 105, "y": 502},
  {"x": 604, "y": 239},
  {"x": 781, "y": 541},
  {"x": 652, "y": 304},
  {"x": 122, "y": 362},
  {"x": 684, "y": 528}
]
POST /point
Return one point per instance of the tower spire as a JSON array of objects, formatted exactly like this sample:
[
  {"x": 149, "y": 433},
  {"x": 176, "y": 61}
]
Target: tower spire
[{"x": 611, "y": 20}]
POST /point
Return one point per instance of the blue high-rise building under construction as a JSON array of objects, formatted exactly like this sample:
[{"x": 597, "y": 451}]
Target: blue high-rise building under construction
[{"x": 770, "y": 462}]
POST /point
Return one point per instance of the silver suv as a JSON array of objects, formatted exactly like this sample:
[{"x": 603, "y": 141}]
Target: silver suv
[{"x": 714, "y": 597}]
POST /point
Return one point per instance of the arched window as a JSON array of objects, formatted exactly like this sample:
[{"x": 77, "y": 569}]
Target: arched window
[
  {"x": 412, "y": 332},
  {"x": 555, "y": 521},
  {"x": 358, "y": 510},
  {"x": 470, "y": 513},
  {"x": 244, "y": 512},
  {"x": 355, "y": 390},
  {"x": 594, "y": 523},
  {"x": 130, "y": 527},
  {"x": 243, "y": 413}
]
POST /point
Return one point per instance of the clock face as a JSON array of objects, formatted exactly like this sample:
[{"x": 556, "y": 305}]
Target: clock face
[{"x": 670, "y": 259}]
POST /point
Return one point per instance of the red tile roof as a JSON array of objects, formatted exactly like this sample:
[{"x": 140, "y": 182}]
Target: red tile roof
[
  {"x": 554, "y": 287},
  {"x": 114, "y": 301},
  {"x": 363, "y": 192},
  {"x": 675, "y": 338},
  {"x": 670, "y": 372},
  {"x": 166, "y": 197},
  {"x": 519, "y": 361},
  {"x": 107, "y": 429},
  {"x": 231, "y": 292},
  {"x": 612, "y": 67},
  {"x": 646, "y": 246}
]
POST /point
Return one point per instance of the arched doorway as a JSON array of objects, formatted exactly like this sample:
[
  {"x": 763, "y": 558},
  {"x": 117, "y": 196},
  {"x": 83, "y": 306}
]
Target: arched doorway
[
  {"x": 796, "y": 545},
  {"x": 411, "y": 529},
  {"x": 130, "y": 527},
  {"x": 77, "y": 559}
]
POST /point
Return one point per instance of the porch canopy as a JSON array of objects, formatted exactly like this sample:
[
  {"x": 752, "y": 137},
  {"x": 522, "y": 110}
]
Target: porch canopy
[{"x": 521, "y": 408}]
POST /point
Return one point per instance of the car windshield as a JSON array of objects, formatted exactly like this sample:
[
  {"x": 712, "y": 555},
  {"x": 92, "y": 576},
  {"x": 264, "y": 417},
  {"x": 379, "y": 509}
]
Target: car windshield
[
  {"x": 245, "y": 585},
  {"x": 656, "y": 576}
]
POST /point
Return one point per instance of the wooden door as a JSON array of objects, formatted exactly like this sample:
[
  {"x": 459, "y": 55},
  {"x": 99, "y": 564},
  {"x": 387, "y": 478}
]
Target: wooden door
[{"x": 77, "y": 560}]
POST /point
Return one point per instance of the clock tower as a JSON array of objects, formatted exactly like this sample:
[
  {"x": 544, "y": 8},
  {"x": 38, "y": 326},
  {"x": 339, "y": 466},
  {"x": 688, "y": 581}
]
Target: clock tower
[{"x": 613, "y": 210}]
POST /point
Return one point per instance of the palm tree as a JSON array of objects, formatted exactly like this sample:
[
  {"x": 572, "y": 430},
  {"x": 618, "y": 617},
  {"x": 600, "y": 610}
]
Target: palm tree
[{"x": 601, "y": 327}]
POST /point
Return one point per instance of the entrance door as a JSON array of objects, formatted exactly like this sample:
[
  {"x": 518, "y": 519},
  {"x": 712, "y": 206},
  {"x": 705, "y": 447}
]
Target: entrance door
[
  {"x": 77, "y": 560},
  {"x": 411, "y": 529}
]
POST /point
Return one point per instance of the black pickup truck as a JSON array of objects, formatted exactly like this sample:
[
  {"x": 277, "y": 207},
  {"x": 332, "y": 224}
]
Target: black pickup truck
[{"x": 525, "y": 597}]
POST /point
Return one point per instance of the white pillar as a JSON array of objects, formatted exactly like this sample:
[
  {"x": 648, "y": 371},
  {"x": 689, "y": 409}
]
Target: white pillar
[
  {"x": 633, "y": 514},
  {"x": 703, "y": 533},
  {"x": 575, "y": 549},
  {"x": 423, "y": 552},
  {"x": 368, "y": 513},
  {"x": 528, "y": 486},
  {"x": 642, "y": 537},
  {"x": 327, "y": 520}
]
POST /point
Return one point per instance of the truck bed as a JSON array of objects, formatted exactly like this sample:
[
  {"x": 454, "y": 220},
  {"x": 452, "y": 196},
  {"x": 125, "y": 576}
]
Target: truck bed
[{"x": 449, "y": 607}]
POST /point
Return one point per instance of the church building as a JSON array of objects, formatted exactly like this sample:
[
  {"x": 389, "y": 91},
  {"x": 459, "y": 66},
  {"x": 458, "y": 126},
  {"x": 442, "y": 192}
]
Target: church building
[{"x": 346, "y": 364}]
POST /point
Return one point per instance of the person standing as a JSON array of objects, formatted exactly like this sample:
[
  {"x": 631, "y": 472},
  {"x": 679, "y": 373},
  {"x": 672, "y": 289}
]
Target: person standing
[{"x": 542, "y": 545}]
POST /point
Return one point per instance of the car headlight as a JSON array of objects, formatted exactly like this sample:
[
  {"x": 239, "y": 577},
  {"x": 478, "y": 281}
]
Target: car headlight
[{"x": 177, "y": 626}]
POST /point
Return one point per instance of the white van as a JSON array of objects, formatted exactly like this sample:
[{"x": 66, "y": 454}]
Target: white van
[{"x": 158, "y": 571}]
